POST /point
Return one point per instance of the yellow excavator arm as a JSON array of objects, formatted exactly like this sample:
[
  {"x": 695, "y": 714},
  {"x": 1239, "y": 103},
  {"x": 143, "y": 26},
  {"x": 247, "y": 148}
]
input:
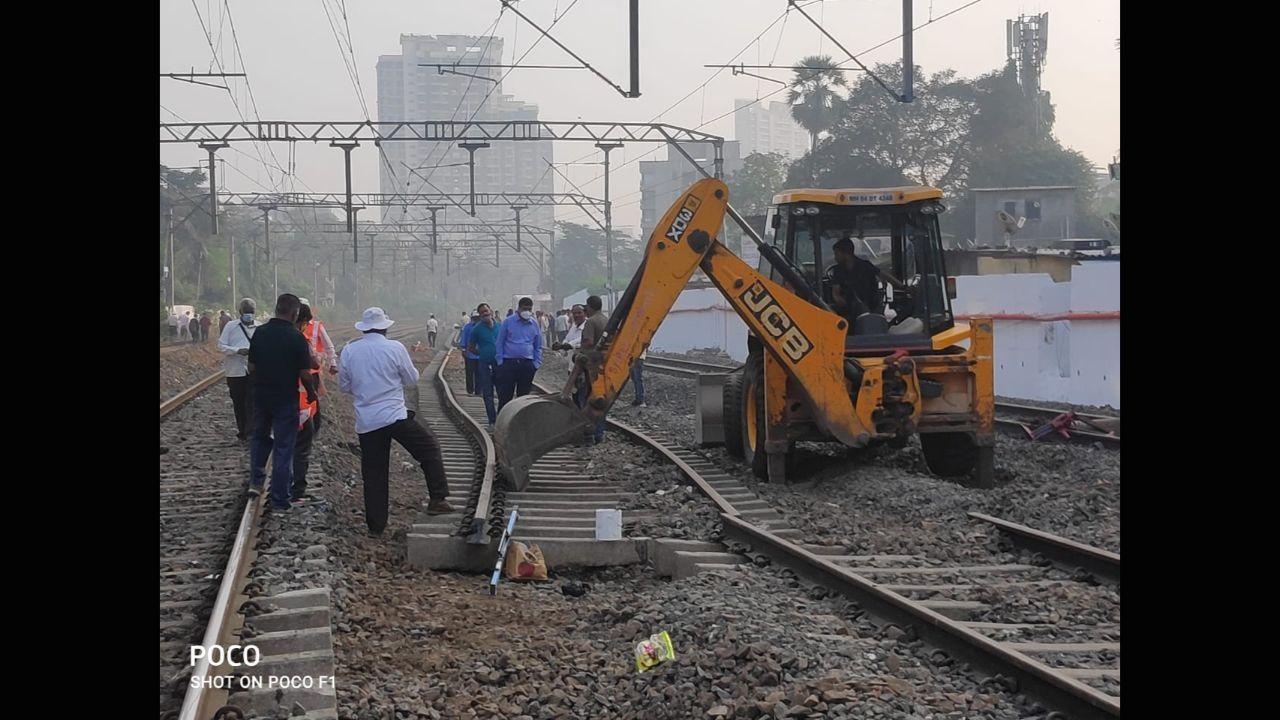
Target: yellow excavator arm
[{"x": 808, "y": 341}]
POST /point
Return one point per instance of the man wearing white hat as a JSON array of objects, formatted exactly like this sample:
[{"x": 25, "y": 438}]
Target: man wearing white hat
[{"x": 375, "y": 371}]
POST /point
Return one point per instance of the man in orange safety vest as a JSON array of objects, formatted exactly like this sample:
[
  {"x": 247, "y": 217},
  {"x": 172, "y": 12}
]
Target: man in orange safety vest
[{"x": 309, "y": 412}]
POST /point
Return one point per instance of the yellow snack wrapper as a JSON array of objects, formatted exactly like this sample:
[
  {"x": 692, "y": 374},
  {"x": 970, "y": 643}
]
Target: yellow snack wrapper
[{"x": 653, "y": 651}]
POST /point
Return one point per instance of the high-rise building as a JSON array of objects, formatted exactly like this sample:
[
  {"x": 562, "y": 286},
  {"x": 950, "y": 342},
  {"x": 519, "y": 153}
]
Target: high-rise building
[
  {"x": 766, "y": 128},
  {"x": 662, "y": 180},
  {"x": 411, "y": 88}
]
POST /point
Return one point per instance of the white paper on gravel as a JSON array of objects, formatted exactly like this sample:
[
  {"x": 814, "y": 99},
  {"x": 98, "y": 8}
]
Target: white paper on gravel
[{"x": 608, "y": 524}]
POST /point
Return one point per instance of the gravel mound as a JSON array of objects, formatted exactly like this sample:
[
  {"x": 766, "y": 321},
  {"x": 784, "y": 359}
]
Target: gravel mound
[
  {"x": 752, "y": 642},
  {"x": 185, "y": 366},
  {"x": 870, "y": 498}
]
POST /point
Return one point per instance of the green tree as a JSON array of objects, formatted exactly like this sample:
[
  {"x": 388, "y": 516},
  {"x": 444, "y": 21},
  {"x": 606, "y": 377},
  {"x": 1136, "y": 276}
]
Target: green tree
[
  {"x": 751, "y": 190},
  {"x": 815, "y": 104},
  {"x": 1013, "y": 146},
  {"x": 752, "y": 187},
  {"x": 580, "y": 259},
  {"x": 925, "y": 141}
]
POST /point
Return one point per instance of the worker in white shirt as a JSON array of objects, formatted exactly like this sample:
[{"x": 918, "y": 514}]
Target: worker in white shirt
[
  {"x": 234, "y": 344},
  {"x": 433, "y": 326},
  {"x": 375, "y": 371},
  {"x": 184, "y": 322},
  {"x": 573, "y": 337}
]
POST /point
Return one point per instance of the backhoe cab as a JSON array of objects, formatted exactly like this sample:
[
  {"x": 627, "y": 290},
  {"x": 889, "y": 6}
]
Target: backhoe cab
[
  {"x": 915, "y": 377},
  {"x": 855, "y": 376}
]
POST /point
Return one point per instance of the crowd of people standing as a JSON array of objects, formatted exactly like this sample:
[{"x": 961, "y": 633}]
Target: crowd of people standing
[
  {"x": 275, "y": 373},
  {"x": 186, "y": 327}
]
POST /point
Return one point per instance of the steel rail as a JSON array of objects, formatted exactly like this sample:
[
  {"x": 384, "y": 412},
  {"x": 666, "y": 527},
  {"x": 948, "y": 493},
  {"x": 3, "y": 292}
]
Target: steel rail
[
  {"x": 1058, "y": 549},
  {"x": 1035, "y": 678},
  {"x": 689, "y": 369},
  {"x": 1076, "y": 436},
  {"x": 1054, "y": 687},
  {"x": 182, "y": 398},
  {"x": 198, "y": 701},
  {"x": 480, "y": 518},
  {"x": 694, "y": 364},
  {"x": 195, "y": 705}
]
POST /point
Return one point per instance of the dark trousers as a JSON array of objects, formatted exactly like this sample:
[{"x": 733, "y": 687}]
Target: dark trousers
[
  {"x": 485, "y": 372},
  {"x": 375, "y": 458},
  {"x": 637, "y": 379},
  {"x": 302, "y": 454},
  {"x": 584, "y": 391},
  {"x": 513, "y": 378},
  {"x": 560, "y": 335},
  {"x": 275, "y": 432},
  {"x": 431, "y": 339},
  {"x": 242, "y": 402},
  {"x": 471, "y": 375}
]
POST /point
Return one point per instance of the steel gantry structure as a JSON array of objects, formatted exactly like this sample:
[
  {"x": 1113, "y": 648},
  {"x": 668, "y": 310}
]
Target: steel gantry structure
[
  {"x": 430, "y": 131},
  {"x": 346, "y": 136}
]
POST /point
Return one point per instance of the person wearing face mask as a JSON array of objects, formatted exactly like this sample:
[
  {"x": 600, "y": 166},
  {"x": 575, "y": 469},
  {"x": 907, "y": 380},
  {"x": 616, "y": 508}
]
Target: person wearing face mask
[
  {"x": 234, "y": 344},
  {"x": 484, "y": 344},
  {"x": 518, "y": 353}
]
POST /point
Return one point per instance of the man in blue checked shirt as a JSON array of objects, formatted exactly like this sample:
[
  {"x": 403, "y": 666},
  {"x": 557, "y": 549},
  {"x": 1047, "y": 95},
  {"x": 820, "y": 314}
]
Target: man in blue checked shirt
[
  {"x": 519, "y": 353},
  {"x": 472, "y": 359}
]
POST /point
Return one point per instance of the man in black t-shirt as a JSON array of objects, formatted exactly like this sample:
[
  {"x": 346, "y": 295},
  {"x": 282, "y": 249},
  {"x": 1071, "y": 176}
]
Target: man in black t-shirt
[
  {"x": 854, "y": 283},
  {"x": 279, "y": 358}
]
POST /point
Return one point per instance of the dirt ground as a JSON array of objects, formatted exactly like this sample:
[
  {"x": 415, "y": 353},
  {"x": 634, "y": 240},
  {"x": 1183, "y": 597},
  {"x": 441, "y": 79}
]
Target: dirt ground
[{"x": 182, "y": 367}]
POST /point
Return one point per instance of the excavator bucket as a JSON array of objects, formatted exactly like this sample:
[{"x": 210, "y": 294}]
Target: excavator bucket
[{"x": 531, "y": 426}]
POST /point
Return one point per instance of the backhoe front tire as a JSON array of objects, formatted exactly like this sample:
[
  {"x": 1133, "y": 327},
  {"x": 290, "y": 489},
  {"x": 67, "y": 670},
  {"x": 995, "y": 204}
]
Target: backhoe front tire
[
  {"x": 733, "y": 415},
  {"x": 956, "y": 455},
  {"x": 753, "y": 452}
]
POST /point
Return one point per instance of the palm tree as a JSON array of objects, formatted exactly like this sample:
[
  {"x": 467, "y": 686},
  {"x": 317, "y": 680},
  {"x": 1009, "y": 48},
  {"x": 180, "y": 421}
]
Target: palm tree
[{"x": 813, "y": 99}]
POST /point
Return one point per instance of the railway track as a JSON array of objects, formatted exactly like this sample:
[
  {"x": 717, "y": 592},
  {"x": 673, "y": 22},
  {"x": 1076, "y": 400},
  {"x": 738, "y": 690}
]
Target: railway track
[
  {"x": 1019, "y": 419},
  {"x": 208, "y": 538},
  {"x": 680, "y": 367},
  {"x": 964, "y": 610},
  {"x": 207, "y": 527},
  {"x": 1081, "y": 427}
]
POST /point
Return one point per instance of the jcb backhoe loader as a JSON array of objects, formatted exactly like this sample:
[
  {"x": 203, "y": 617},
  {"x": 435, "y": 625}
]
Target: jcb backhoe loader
[{"x": 811, "y": 374}]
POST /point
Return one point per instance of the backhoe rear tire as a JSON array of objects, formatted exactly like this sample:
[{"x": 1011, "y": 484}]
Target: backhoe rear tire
[
  {"x": 733, "y": 415},
  {"x": 956, "y": 455}
]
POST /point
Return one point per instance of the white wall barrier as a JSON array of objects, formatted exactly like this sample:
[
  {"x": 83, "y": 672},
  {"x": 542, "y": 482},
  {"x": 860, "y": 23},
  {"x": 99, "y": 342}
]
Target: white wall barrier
[{"x": 1058, "y": 342}]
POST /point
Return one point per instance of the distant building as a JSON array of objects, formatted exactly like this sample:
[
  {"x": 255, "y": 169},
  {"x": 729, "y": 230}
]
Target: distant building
[
  {"x": 1049, "y": 212},
  {"x": 409, "y": 91},
  {"x": 662, "y": 180},
  {"x": 768, "y": 127}
]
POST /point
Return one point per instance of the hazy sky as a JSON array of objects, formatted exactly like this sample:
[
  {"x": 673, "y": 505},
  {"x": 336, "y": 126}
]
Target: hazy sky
[{"x": 297, "y": 72}]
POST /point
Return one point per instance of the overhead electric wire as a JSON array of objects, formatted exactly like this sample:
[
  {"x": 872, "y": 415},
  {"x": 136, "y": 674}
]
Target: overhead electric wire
[
  {"x": 253, "y": 101},
  {"x": 781, "y": 18},
  {"x": 488, "y": 34},
  {"x": 766, "y": 97},
  {"x": 513, "y": 67}
]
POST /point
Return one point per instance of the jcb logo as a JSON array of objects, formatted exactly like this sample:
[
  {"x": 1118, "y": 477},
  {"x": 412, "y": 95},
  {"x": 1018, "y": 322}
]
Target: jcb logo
[
  {"x": 776, "y": 322},
  {"x": 681, "y": 223}
]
